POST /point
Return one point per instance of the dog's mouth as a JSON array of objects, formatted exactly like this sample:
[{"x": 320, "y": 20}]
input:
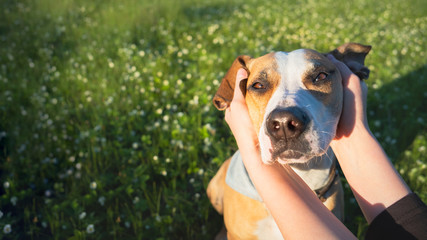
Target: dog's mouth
[
  {"x": 297, "y": 151},
  {"x": 291, "y": 156},
  {"x": 283, "y": 151}
]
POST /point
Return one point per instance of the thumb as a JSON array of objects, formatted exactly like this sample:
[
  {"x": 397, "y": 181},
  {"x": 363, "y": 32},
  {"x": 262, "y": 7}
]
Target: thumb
[{"x": 241, "y": 75}]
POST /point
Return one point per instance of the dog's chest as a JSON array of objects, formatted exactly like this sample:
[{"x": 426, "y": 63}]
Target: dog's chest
[
  {"x": 267, "y": 229},
  {"x": 316, "y": 173}
]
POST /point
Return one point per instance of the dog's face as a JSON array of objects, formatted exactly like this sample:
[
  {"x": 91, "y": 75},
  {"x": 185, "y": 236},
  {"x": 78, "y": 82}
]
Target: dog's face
[{"x": 294, "y": 99}]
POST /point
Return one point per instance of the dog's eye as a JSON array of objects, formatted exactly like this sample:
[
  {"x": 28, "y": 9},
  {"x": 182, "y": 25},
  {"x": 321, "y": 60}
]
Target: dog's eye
[
  {"x": 322, "y": 76},
  {"x": 258, "y": 85}
]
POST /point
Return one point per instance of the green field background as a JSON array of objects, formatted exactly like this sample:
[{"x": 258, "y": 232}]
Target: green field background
[{"x": 107, "y": 130}]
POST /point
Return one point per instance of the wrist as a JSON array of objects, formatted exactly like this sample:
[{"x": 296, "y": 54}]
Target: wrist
[{"x": 360, "y": 132}]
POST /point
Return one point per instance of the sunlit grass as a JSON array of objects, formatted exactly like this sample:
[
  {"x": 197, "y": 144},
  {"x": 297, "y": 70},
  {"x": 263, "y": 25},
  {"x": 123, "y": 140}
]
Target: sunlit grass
[{"x": 106, "y": 124}]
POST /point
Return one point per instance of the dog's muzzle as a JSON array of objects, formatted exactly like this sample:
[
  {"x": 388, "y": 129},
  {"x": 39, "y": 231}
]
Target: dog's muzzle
[{"x": 285, "y": 127}]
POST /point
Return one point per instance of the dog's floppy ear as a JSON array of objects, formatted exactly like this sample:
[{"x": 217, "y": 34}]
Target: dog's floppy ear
[
  {"x": 353, "y": 55},
  {"x": 224, "y": 95}
]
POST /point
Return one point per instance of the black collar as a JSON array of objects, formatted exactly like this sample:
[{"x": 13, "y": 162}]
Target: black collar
[{"x": 333, "y": 173}]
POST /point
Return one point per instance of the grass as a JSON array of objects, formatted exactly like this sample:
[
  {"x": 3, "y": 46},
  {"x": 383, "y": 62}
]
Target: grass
[{"x": 107, "y": 130}]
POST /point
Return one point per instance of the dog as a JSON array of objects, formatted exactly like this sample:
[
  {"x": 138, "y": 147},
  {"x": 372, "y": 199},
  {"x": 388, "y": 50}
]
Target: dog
[{"x": 294, "y": 101}]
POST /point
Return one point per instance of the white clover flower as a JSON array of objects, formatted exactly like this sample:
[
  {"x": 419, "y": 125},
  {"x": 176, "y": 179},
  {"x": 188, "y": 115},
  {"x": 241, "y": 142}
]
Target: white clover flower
[
  {"x": 127, "y": 224},
  {"x": 195, "y": 100},
  {"x": 101, "y": 200},
  {"x": 6, "y": 184},
  {"x": 48, "y": 193},
  {"x": 164, "y": 173},
  {"x": 377, "y": 123},
  {"x": 90, "y": 56},
  {"x": 135, "y": 145},
  {"x": 109, "y": 100},
  {"x": 7, "y": 229},
  {"x": 201, "y": 171},
  {"x": 92, "y": 185},
  {"x": 82, "y": 215},
  {"x": 90, "y": 229},
  {"x": 13, "y": 200},
  {"x": 156, "y": 158},
  {"x": 159, "y": 111}
]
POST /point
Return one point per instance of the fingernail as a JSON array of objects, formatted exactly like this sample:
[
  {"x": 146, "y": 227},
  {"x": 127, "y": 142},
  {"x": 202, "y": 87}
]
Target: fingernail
[{"x": 242, "y": 74}]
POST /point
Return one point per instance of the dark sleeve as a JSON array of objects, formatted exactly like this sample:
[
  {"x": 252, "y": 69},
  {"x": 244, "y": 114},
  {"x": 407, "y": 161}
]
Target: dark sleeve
[{"x": 405, "y": 219}]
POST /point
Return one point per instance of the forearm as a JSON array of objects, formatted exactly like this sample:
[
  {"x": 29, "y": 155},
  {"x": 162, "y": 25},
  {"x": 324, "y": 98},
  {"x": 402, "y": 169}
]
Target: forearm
[
  {"x": 371, "y": 175},
  {"x": 295, "y": 208}
]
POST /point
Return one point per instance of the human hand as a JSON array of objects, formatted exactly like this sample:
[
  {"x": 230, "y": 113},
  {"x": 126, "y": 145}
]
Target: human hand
[
  {"x": 237, "y": 115},
  {"x": 353, "y": 114}
]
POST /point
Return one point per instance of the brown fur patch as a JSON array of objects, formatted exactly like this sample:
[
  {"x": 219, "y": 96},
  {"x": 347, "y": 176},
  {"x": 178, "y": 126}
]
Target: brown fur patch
[{"x": 264, "y": 67}]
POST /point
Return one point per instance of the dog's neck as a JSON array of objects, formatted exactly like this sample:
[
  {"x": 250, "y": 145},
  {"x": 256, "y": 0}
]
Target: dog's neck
[{"x": 315, "y": 172}]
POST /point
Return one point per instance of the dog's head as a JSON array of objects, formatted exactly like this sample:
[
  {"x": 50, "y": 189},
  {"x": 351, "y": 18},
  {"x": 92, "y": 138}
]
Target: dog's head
[{"x": 294, "y": 99}]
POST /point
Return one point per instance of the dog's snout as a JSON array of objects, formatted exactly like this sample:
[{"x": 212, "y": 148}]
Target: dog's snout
[{"x": 287, "y": 123}]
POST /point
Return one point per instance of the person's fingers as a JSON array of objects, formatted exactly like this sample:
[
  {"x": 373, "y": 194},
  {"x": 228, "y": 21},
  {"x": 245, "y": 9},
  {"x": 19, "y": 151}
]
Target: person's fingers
[
  {"x": 238, "y": 98},
  {"x": 364, "y": 89},
  {"x": 344, "y": 70},
  {"x": 341, "y": 66},
  {"x": 238, "y": 95}
]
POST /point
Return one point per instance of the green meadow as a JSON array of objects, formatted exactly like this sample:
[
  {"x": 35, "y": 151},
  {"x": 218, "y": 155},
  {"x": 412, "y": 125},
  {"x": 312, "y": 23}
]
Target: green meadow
[{"x": 107, "y": 130}]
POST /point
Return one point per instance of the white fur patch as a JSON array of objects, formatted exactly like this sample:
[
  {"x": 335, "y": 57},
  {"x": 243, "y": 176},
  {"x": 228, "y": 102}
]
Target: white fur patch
[
  {"x": 267, "y": 229},
  {"x": 315, "y": 173}
]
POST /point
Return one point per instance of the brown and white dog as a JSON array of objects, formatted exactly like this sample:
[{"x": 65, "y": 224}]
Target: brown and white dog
[{"x": 295, "y": 101}]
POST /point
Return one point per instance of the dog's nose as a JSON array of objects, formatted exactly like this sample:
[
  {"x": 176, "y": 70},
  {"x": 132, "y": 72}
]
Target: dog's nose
[{"x": 286, "y": 123}]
